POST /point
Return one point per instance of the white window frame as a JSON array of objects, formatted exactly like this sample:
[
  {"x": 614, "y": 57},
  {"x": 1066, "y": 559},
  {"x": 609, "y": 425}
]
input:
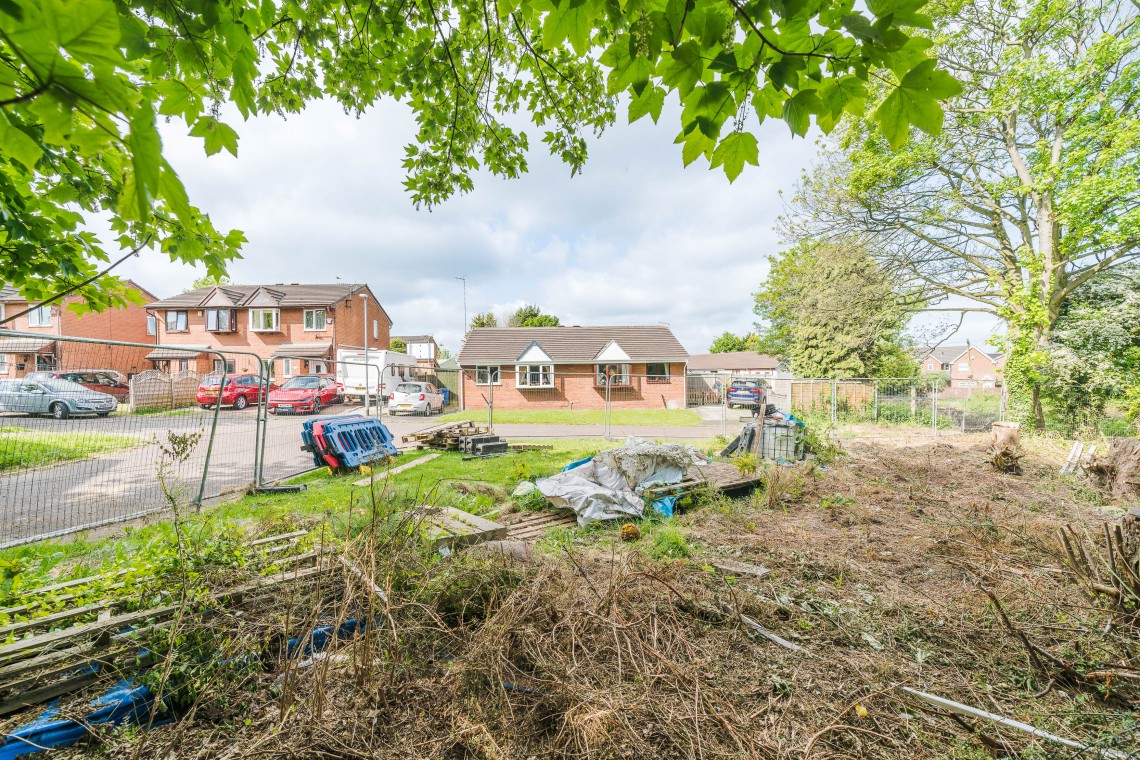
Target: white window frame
[
  {"x": 311, "y": 316},
  {"x": 3, "y": 359},
  {"x": 254, "y": 324},
  {"x": 601, "y": 379},
  {"x": 286, "y": 367},
  {"x": 229, "y": 366},
  {"x": 185, "y": 320},
  {"x": 376, "y": 329},
  {"x": 489, "y": 371},
  {"x": 36, "y": 317},
  {"x": 231, "y": 321},
  {"x": 151, "y": 324},
  {"x": 524, "y": 372}
]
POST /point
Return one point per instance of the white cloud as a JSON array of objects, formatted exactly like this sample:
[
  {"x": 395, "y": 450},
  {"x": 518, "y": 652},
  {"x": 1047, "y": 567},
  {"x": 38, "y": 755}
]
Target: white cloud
[{"x": 636, "y": 239}]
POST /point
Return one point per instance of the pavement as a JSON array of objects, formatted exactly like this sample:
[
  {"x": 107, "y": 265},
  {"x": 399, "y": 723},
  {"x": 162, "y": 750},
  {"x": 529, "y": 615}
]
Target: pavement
[{"x": 122, "y": 484}]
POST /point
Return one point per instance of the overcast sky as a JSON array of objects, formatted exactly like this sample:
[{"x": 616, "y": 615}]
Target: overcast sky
[{"x": 636, "y": 239}]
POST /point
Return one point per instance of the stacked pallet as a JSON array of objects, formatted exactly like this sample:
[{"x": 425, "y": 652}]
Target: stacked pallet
[
  {"x": 483, "y": 444},
  {"x": 448, "y": 436}
]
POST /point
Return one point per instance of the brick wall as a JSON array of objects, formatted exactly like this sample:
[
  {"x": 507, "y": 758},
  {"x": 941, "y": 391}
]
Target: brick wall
[{"x": 574, "y": 388}]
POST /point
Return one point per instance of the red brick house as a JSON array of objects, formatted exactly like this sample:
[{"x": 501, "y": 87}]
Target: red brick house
[
  {"x": 969, "y": 368},
  {"x": 19, "y": 356},
  {"x": 572, "y": 368},
  {"x": 297, "y": 328}
]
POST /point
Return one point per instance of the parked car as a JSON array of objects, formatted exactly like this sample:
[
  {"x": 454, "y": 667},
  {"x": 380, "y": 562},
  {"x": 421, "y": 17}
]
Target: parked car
[
  {"x": 59, "y": 398},
  {"x": 746, "y": 393},
  {"x": 240, "y": 391},
  {"x": 303, "y": 393},
  {"x": 415, "y": 398},
  {"x": 107, "y": 381},
  {"x": 339, "y": 386}
]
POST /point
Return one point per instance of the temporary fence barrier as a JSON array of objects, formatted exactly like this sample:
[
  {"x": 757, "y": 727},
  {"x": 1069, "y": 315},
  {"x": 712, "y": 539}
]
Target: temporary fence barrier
[{"x": 74, "y": 455}]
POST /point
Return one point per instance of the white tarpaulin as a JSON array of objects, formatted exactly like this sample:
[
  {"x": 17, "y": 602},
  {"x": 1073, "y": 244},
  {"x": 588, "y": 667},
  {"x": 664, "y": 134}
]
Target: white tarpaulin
[{"x": 609, "y": 486}]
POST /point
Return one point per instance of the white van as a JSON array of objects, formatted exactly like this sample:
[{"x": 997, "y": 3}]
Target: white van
[{"x": 387, "y": 369}]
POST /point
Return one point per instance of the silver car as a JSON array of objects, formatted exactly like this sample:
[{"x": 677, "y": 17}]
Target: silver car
[
  {"x": 58, "y": 398},
  {"x": 415, "y": 398}
]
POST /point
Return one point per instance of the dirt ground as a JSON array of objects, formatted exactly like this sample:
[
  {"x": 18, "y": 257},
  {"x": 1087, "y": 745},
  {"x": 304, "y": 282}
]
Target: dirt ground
[{"x": 900, "y": 565}]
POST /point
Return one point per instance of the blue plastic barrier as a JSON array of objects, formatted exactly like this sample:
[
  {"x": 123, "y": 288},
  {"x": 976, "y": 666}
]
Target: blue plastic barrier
[
  {"x": 308, "y": 442},
  {"x": 357, "y": 442}
]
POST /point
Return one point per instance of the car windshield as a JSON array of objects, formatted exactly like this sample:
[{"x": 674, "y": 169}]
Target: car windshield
[
  {"x": 308, "y": 382},
  {"x": 37, "y": 376},
  {"x": 409, "y": 388},
  {"x": 62, "y": 386},
  {"x": 212, "y": 381}
]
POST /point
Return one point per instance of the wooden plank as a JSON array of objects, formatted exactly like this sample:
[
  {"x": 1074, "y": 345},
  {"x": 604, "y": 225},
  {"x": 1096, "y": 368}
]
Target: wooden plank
[
  {"x": 395, "y": 470},
  {"x": 45, "y": 693},
  {"x": 732, "y": 567},
  {"x": 50, "y": 620},
  {"x": 448, "y": 526},
  {"x": 73, "y": 583},
  {"x": 279, "y": 538}
]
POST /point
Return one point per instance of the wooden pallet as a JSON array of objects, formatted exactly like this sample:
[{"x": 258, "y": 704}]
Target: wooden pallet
[{"x": 534, "y": 527}]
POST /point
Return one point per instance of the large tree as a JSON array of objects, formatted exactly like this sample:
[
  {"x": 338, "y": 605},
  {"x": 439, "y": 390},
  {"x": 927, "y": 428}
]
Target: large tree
[
  {"x": 530, "y": 315},
  {"x": 1032, "y": 188},
  {"x": 835, "y": 312},
  {"x": 84, "y": 82}
]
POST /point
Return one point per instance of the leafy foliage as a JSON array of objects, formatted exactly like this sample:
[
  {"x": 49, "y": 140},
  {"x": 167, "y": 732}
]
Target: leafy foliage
[
  {"x": 1030, "y": 189},
  {"x": 836, "y": 312},
  {"x": 530, "y": 315},
  {"x": 398, "y": 345},
  {"x": 84, "y": 82},
  {"x": 484, "y": 319}
]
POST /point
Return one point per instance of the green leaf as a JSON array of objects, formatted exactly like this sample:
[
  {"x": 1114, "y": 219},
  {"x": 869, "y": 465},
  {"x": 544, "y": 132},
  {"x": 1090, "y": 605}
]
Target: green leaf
[
  {"x": 915, "y": 101},
  {"x": 174, "y": 193},
  {"x": 696, "y": 144},
  {"x": 16, "y": 143},
  {"x": 649, "y": 102},
  {"x": 861, "y": 28},
  {"x": 734, "y": 151},
  {"x": 798, "y": 111},
  {"x": 570, "y": 19},
  {"x": 216, "y": 134},
  {"x": 683, "y": 67},
  {"x": 146, "y": 157},
  {"x": 87, "y": 29}
]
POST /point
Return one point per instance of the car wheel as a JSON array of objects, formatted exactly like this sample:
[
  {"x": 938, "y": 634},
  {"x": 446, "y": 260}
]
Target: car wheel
[
  {"x": 102, "y": 414},
  {"x": 60, "y": 411},
  {"x": 316, "y": 406},
  {"x": 241, "y": 402}
]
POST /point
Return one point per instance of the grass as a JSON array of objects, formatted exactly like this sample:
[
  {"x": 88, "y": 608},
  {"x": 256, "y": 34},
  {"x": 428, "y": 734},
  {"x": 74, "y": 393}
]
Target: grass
[
  {"x": 671, "y": 417},
  {"x": 20, "y": 448}
]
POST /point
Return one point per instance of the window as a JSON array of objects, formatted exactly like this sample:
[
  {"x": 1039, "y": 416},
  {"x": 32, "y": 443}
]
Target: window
[
  {"x": 4, "y": 363},
  {"x": 930, "y": 365},
  {"x": 375, "y": 329},
  {"x": 151, "y": 324},
  {"x": 176, "y": 321},
  {"x": 612, "y": 374},
  {"x": 286, "y": 367},
  {"x": 229, "y": 368},
  {"x": 265, "y": 320},
  {"x": 534, "y": 376},
  {"x": 487, "y": 376},
  {"x": 220, "y": 320},
  {"x": 658, "y": 373},
  {"x": 183, "y": 365},
  {"x": 40, "y": 317},
  {"x": 945, "y": 367},
  {"x": 314, "y": 319}
]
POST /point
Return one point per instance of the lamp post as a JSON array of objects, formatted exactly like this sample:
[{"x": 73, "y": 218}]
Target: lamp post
[
  {"x": 464, "y": 281},
  {"x": 367, "y": 366}
]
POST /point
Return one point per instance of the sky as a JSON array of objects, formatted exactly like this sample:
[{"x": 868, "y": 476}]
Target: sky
[{"x": 635, "y": 239}]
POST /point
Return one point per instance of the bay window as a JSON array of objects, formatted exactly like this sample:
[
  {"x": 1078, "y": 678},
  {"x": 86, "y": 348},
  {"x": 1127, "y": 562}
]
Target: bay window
[{"x": 534, "y": 376}]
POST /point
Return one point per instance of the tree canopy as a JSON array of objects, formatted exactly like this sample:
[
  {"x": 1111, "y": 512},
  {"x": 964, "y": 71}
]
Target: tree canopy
[
  {"x": 1030, "y": 191},
  {"x": 530, "y": 315},
  {"x": 83, "y": 84},
  {"x": 399, "y": 345},
  {"x": 835, "y": 312},
  {"x": 484, "y": 319}
]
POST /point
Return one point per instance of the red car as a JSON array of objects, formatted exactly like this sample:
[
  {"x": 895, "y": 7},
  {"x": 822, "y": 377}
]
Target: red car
[
  {"x": 240, "y": 391},
  {"x": 339, "y": 387},
  {"x": 103, "y": 380},
  {"x": 303, "y": 393}
]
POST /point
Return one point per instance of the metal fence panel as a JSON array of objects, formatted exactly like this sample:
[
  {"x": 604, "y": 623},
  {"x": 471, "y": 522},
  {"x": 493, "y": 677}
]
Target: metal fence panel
[{"x": 80, "y": 448}]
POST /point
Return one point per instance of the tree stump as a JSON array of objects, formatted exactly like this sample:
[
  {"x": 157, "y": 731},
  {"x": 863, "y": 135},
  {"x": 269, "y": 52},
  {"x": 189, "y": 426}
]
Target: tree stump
[
  {"x": 1005, "y": 435},
  {"x": 1118, "y": 469}
]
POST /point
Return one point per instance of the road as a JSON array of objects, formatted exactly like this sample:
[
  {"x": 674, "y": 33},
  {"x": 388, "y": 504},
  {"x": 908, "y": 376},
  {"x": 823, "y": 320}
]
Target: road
[{"x": 123, "y": 483}]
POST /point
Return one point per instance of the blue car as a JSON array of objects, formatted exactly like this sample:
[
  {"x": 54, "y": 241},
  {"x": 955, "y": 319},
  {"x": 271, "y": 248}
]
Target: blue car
[{"x": 749, "y": 394}]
